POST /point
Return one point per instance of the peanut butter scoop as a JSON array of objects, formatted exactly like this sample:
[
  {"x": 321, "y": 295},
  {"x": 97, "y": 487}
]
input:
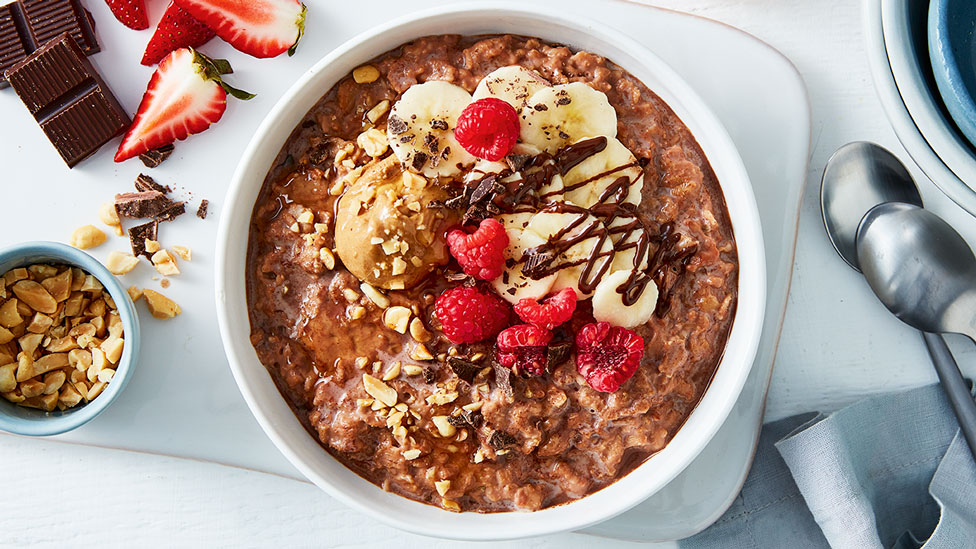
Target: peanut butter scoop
[{"x": 386, "y": 233}]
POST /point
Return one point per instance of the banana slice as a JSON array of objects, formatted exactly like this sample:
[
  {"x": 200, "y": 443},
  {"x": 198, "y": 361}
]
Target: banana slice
[
  {"x": 482, "y": 168},
  {"x": 421, "y": 125},
  {"x": 586, "y": 183},
  {"x": 514, "y": 84},
  {"x": 581, "y": 234},
  {"x": 625, "y": 243},
  {"x": 559, "y": 115},
  {"x": 512, "y": 285},
  {"x": 608, "y": 304}
]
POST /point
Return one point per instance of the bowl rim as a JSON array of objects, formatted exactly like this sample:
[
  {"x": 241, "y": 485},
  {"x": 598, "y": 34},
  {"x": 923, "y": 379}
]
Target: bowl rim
[
  {"x": 955, "y": 93},
  {"x": 906, "y": 57},
  {"x": 58, "y": 422},
  {"x": 619, "y": 496}
]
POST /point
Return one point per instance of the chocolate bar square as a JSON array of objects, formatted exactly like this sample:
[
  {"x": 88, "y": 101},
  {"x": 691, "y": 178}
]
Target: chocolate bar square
[
  {"x": 26, "y": 24},
  {"x": 68, "y": 98}
]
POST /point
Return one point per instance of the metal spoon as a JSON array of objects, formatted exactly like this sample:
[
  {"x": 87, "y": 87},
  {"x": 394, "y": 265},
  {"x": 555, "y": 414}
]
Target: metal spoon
[
  {"x": 858, "y": 177},
  {"x": 925, "y": 273}
]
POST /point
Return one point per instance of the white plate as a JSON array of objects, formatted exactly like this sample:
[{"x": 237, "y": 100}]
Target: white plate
[
  {"x": 182, "y": 400},
  {"x": 923, "y": 102}
]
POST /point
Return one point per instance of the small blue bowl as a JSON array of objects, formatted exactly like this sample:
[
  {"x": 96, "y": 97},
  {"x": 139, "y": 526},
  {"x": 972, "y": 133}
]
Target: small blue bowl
[
  {"x": 952, "y": 48},
  {"x": 32, "y": 422}
]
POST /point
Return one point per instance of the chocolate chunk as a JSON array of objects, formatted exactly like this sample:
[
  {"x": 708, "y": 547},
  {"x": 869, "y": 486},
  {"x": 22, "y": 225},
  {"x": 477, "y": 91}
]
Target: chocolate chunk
[
  {"x": 541, "y": 107},
  {"x": 439, "y": 124},
  {"x": 141, "y": 204},
  {"x": 144, "y": 183},
  {"x": 536, "y": 263},
  {"x": 68, "y": 98},
  {"x": 396, "y": 125},
  {"x": 457, "y": 202},
  {"x": 564, "y": 101},
  {"x": 464, "y": 369},
  {"x": 559, "y": 353},
  {"x": 500, "y": 440},
  {"x": 138, "y": 236},
  {"x": 156, "y": 157},
  {"x": 202, "y": 210},
  {"x": 429, "y": 374},
  {"x": 431, "y": 142},
  {"x": 516, "y": 161},
  {"x": 418, "y": 161},
  {"x": 486, "y": 184},
  {"x": 26, "y": 24},
  {"x": 171, "y": 212},
  {"x": 466, "y": 419}
]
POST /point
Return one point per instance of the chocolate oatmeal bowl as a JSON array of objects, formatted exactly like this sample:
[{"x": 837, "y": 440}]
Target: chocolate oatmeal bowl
[{"x": 493, "y": 284}]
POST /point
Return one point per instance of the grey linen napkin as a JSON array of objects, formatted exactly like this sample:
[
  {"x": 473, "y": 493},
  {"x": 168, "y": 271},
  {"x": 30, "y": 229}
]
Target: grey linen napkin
[{"x": 887, "y": 471}]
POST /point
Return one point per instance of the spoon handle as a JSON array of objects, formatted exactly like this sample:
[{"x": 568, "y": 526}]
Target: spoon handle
[{"x": 954, "y": 385}]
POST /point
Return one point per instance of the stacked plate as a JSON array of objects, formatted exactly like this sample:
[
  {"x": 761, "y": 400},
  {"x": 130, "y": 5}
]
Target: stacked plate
[{"x": 922, "y": 87}]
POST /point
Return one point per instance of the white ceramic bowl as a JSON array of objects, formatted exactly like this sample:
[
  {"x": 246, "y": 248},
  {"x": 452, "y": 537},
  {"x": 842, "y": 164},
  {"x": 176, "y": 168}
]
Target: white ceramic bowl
[{"x": 304, "y": 452}]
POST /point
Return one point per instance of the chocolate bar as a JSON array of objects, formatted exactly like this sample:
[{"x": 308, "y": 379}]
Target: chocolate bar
[
  {"x": 68, "y": 98},
  {"x": 171, "y": 212},
  {"x": 26, "y": 24}
]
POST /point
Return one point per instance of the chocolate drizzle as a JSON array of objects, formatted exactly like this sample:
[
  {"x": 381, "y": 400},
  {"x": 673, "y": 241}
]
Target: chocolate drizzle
[{"x": 516, "y": 189}]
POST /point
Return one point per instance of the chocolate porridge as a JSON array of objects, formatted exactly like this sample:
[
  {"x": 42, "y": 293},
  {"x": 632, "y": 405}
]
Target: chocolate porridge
[{"x": 348, "y": 259}]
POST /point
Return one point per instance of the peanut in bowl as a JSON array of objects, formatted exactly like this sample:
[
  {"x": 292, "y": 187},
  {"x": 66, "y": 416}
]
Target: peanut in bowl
[{"x": 70, "y": 336}]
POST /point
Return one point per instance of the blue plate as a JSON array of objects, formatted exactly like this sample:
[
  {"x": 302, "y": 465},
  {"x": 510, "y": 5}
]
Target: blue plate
[
  {"x": 952, "y": 48},
  {"x": 32, "y": 422}
]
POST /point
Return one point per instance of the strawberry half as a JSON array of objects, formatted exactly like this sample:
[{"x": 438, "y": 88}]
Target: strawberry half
[
  {"x": 185, "y": 96},
  {"x": 177, "y": 29},
  {"x": 262, "y": 28},
  {"x": 131, "y": 13}
]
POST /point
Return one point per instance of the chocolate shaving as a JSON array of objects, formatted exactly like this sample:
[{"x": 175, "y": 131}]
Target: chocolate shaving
[
  {"x": 436, "y": 204},
  {"x": 429, "y": 374},
  {"x": 464, "y": 369},
  {"x": 564, "y": 101},
  {"x": 171, "y": 212},
  {"x": 559, "y": 353},
  {"x": 156, "y": 157},
  {"x": 456, "y": 277},
  {"x": 396, "y": 125},
  {"x": 457, "y": 201},
  {"x": 541, "y": 107},
  {"x": 138, "y": 236},
  {"x": 431, "y": 142},
  {"x": 503, "y": 379},
  {"x": 439, "y": 124},
  {"x": 145, "y": 184},
  {"x": 500, "y": 440},
  {"x": 141, "y": 204},
  {"x": 202, "y": 210}
]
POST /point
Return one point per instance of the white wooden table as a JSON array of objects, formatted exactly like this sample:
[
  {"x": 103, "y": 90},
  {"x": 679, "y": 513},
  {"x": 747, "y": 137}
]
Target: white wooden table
[{"x": 838, "y": 344}]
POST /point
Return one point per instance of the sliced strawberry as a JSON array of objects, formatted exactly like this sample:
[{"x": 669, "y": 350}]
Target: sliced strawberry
[
  {"x": 262, "y": 28},
  {"x": 177, "y": 29},
  {"x": 185, "y": 96},
  {"x": 131, "y": 13}
]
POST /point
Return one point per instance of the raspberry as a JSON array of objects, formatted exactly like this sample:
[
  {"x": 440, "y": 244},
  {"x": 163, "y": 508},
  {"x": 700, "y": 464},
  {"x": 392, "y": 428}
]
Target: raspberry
[
  {"x": 488, "y": 128},
  {"x": 481, "y": 253},
  {"x": 524, "y": 349},
  {"x": 467, "y": 315},
  {"x": 607, "y": 356},
  {"x": 557, "y": 309}
]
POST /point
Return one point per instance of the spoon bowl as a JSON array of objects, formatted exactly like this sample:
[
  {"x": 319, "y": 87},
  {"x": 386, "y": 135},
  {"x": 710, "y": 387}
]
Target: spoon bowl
[
  {"x": 919, "y": 267},
  {"x": 858, "y": 177}
]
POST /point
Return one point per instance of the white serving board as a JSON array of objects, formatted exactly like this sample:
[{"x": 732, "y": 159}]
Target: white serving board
[{"x": 182, "y": 400}]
